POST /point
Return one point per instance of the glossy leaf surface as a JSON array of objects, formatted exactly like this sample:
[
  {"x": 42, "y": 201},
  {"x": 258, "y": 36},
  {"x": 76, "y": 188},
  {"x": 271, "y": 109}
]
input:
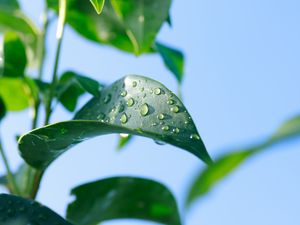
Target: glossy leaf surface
[
  {"x": 209, "y": 177},
  {"x": 130, "y": 25},
  {"x": 98, "y": 5},
  {"x": 134, "y": 105},
  {"x": 123, "y": 197},
  {"x": 20, "y": 211},
  {"x": 15, "y": 58},
  {"x": 173, "y": 59}
]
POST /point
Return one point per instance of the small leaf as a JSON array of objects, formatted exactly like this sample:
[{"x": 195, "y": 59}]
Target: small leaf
[
  {"x": 71, "y": 86},
  {"x": 15, "y": 93},
  {"x": 2, "y": 109},
  {"x": 20, "y": 211},
  {"x": 98, "y": 5},
  {"x": 15, "y": 58},
  {"x": 124, "y": 139},
  {"x": 123, "y": 197},
  {"x": 209, "y": 177},
  {"x": 173, "y": 59},
  {"x": 133, "y": 105}
]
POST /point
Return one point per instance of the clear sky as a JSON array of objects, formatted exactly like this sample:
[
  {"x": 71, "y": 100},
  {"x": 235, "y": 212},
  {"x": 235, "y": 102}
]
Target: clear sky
[{"x": 242, "y": 80}]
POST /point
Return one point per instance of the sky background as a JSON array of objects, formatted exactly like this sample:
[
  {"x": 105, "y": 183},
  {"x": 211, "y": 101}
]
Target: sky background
[{"x": 241, "y": 81}]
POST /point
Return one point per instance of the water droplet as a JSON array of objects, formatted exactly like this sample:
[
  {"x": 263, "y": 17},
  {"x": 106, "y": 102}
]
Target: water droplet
[
  {"x": 123, "y": 93},
  {"x": 176, "y": 130},
  {"x": 113, "y": 109},
  {"x": 121, "y": 107},
  {"x": 123, "y": 135},
  {"x": 186, "y": 122},
  {"x": 130, "y": 102},
  {"x": 134, "y": 84},
  {"x": 124, "y": 118},
  {"x": 144, "y": 109},
  {"x": 107, "y": 120},
  {"x": 194, "y": 137},
  {"x": 63, "y": 130},
  {"x": 101, "y": 116},
  {"x": 160, "y": 116},
  {"x": 154, "y": 124},
  {"x": 165, "y": 128},
  {"x": 157, "y": 91},
  {"x": 170, "y": 102},
  {"x": 174, "y": 109},
  {"x": 142, "y": 89},
  {"x": 107, "y": 98}
]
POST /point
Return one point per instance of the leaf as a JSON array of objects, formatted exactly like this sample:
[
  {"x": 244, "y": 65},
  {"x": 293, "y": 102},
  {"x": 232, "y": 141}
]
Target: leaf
[
  {"x": 20, "y": 211},
  {"x": 3, "y": 180},
  {"x": 71, "y": 86},
  {"x": 98, "y": 5},
  {"x": 14, "y": 20},
  {"x": 24, "y": 177},
  {"x": 173, "y": 59},
  {"x": 15, "y": 58},
  {"x": 2, "y": 109},
  {"x": 211, "y": 176},
  {"x": 9, "y": 4},
  {"x": 15, "y": 93},
  {"x": 124, "y": 139},
  {"x": 133, "y": 105},
  {"x": 130, "y": 25},
  {"x": 123, "y": 197}
]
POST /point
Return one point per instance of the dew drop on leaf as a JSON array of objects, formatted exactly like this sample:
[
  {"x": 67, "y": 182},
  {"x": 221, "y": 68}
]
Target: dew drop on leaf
[
  {"x": 160, "y": 116},
  {"x": 157, "y": 91},
  {"x": 134, "y": 84},
  {"x": 170, "y": 102},
  {"x": 176, "y": 130},
  {"x": 130, "y": 102},
  {"x": 124, "y": 118},
  {"x": 165, "y": 128},
  {"x": 194, "y": 137},
  {"x": 101, "y": 116},
  {"x": 174, "y": 109},
  {"x": 107, "y": 98},
  {"x": 144, "y": 109},
  {"x": 123, "y": 93}
]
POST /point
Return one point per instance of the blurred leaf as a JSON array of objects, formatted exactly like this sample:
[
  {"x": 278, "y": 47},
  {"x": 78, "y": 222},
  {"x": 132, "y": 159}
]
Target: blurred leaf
[
  {"x": 98, "y": 5},
  {"x": 209, "y": 177},
  {"x": 123, "y": 141},
  {"x": 9, "y": 4},
  {"x": 71, "y": 86},
  {"x": 134, "y": 105},
  {"x": 173, "y": 59},
  {"x": 15, "y": 93},
  {"x": 12, "y": 19},
  {"x": 123, "y": 197},
  {"x": 15, "y": 59},
  {"x": 3, "y": 180},
  {"x": 169, "y": 20},
  {"x": 2, "y": 109},
  {"x": 24, "y": 177},
  {"x": 20, "y": 211},
  {"x": 130, "y": 25}
]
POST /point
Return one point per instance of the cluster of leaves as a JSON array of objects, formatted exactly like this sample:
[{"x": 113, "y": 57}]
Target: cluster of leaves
[{"x": 133, "y": 105}]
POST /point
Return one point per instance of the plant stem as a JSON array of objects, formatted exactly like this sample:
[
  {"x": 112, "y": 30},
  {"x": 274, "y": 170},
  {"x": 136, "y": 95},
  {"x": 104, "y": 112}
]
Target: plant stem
[
  {"x": 10, "y": 177},
  {"x": 59, "y": 37}
]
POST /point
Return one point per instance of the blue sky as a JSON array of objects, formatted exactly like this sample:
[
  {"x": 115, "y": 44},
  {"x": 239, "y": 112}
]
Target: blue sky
[{"x": 241, "y": 81}]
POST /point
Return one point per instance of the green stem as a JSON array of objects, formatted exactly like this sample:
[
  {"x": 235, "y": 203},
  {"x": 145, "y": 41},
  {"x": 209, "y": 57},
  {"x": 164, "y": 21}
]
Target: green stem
[
  {"x": 10, "y": 177},
  {"x": 59, "y": 37}
]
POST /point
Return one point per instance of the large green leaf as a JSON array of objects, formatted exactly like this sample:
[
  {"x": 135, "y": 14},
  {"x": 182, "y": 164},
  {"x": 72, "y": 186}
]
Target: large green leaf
[
  {"x": 130, "y": 25},
  {"x": 98, "y": 5},
  {"x": 134, "y": 105},
  {"x": 173, "y": 59},
  {"x": 2, "y": 108},
  {"x": 12, "y": 19},
  {"x": 19, "y": 211},
  {"x": 209, "y": 177},
  {"x": 15, "y": 58},
  {"x": 16, "y": 93},
  {"x": 71, "y": 86},
  {"x": 123, "y": 197}
]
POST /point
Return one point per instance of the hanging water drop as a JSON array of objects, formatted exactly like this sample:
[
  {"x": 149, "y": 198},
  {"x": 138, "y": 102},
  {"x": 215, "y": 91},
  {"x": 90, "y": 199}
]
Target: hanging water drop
[
  {"x": 124, "y": 118},
  {"x": 160, "y": 116},
  {"x": 144, "y": 109},
  {"x": 130, "y": 102},
  {"x": 123, "y": 135},
  {"x": 174, "y": 109}
]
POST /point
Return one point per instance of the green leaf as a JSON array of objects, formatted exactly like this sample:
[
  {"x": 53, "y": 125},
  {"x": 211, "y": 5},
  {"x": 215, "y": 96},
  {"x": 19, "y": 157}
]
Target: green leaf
[
  {"x": 71, "y": 86},
  {"x": 211, "y": 176},
  {"x": 15, "y": 58},
  {"x": 14, "y": 20},
  {"x": 20, "y": 211},
  {"x": 173, "y": 59},
  {"x": 130, "y": 25},
  {"x": 9, "y": 4},
  {"x": 124, "y": 139},
  {"x": 98, "y": 5},
  {"x": 133, "y": 105},
  {"x": 15, "y": 93},
  {"x": 123, "y": 197},
  {"x": 24, "y": 177},
  {"x": 2, "y": 109}
]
